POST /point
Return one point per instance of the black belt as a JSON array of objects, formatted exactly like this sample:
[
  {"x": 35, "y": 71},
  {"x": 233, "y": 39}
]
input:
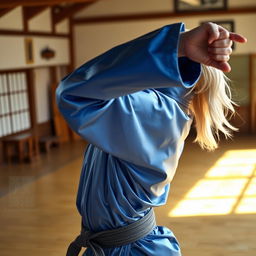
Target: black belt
[{"x": 114, "y": 237}]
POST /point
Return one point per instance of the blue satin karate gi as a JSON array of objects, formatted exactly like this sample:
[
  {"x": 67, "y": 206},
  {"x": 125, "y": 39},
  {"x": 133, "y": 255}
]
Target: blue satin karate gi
[{"x": 128, "y": 103}]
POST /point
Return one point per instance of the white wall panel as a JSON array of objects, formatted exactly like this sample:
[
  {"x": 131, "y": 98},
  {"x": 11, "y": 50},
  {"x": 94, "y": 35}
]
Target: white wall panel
[
  {"x": 12, "y": 51},
  {"x": 93, "y": 39},
  {"x": 116, "y": 7},
  {"x": 241, "y": 3},
  {"x": 42, "y": 94},
  {"x": 12, "y": 20},
  {"x": 59, "y": 45},
  {"x": 41, "y": 22},
  {"x": 62, "y": 27}
]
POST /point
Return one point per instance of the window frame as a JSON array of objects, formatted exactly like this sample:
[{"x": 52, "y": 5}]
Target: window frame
[{"x": 30, "y": 101}]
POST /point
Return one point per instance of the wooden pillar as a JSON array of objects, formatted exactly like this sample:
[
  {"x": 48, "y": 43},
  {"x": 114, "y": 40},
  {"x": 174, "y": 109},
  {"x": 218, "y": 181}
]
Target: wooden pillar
[
  {"x": 252, "y": 92},
  {"x": 71, "y": 46},
  {"x": 32, "y": 102},
  {"x": 71, "y": 66},
  {"x": 33, "y": 116},
  {"x": 61, "y": 128}
]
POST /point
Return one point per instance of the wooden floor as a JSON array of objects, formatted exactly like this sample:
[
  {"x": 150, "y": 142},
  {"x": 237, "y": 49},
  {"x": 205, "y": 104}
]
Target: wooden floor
[{"x": 38, "y": 215}]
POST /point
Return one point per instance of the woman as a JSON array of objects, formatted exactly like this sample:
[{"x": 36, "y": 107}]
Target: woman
[{"x": 134, "y": 105}]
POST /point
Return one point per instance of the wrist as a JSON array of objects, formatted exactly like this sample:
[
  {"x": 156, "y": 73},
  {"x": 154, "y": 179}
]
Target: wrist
[{"x": 181, "y": 46}]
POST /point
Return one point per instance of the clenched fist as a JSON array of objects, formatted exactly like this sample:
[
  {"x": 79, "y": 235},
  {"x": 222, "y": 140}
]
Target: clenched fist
[{"x": 209, "y": 44}]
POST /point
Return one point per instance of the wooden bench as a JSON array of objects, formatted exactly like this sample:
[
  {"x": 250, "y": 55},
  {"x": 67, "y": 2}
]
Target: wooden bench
[
  {"x": 46, "y": 142},
  {"x": 24, "y": 146}
]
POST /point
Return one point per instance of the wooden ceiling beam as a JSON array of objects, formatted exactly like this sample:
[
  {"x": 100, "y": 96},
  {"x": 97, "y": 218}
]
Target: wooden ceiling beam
[
  {"x": 32, "y": 11},
  {"x": 163, "y": 15},
  {"x": 60, "y": 13},
  {"x": 29, "y": 12},
  {"x": 15, "y": 3},
  {"x": 4, "y": 11}
]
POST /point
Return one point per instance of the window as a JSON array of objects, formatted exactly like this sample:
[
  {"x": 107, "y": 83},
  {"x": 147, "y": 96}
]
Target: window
[{"x": 14, "y": 103}]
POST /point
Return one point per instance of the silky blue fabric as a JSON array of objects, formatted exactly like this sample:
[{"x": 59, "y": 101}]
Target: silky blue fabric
[{"x": 129, "y": 103}]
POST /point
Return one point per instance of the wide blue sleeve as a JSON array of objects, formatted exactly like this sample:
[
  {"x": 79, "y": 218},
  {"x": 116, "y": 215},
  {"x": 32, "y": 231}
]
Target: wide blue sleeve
[{"x": 112, "y": 101}]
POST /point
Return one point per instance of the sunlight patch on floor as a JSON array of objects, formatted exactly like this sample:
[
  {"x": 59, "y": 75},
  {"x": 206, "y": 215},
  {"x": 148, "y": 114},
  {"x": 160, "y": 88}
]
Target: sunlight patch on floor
[{"x": 228, "y": 187}]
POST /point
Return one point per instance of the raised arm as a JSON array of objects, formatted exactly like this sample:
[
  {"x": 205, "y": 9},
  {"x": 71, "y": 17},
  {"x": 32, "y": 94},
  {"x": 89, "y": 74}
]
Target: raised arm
[
  {"x": 110, "y": 100},
  {"x": 114, "y": 101},
  {"x": 150, "y": 61}
]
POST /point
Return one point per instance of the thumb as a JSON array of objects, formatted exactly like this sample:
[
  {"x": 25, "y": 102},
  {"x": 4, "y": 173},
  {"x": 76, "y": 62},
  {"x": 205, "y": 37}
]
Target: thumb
[
  {"x": 213, "y": 32},
  {"x": 223, "y": 66},
  {"x": 238, "y": 38}
]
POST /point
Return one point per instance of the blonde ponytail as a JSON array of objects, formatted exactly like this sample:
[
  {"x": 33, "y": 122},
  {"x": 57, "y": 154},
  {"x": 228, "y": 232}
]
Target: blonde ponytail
[{"x": 210, "y": 107}]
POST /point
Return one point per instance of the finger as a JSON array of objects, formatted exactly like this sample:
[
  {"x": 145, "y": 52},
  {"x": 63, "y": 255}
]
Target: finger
[
  {"x": 220, "y": 51},
  {"x": 220, "y": 57},
  {"x": 238, "y": 38},
  {"x": 213, "y": 31},
  {"x": 224, "y": 34},
  {"x": 222, "y": 43},
  {"x": 223, "y": 66}
]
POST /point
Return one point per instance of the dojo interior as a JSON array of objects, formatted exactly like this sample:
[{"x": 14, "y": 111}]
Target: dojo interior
[{"x": 212, "y": 203}]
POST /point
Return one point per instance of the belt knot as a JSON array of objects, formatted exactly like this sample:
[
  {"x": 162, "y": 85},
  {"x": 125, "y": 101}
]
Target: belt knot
[{"x": 112, "y": 238}]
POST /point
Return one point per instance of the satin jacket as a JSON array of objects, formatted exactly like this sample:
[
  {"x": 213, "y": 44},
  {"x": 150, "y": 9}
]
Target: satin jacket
[{"x": 129, "y": 104}]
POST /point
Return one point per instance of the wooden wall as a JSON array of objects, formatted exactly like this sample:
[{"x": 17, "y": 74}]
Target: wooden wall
[{"x": 39, "y": 26}]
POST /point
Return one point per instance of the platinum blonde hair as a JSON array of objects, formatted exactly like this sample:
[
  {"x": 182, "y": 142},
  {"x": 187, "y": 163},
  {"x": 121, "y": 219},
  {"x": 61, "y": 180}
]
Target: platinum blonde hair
[{"x": 211, "y": 106}]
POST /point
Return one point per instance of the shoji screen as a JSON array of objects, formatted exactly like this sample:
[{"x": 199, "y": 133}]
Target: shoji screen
[{"x": 14, "y": 104}]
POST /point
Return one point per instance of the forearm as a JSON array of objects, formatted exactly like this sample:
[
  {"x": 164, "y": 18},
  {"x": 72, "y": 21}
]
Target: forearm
[
  {"x": 150, "y": 61},
  {"x": 181, "y": 46}
]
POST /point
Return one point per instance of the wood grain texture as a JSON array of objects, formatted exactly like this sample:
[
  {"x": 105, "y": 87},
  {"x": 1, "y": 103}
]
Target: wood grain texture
[
  {"x": 39, "y": 215},
  {"x": 160, "y": 15},
  {"x": 14, "y": 3}
]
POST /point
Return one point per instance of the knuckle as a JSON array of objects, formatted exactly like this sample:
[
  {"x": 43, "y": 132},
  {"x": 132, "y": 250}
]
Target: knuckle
[
  {"x": 208, "y": 23},
  {"x": 226, "y": 57},
  {"x": 228, "y": 42},
  {"x": 226, "y": 33},
  {"x": 217, "y": 44},
  {"x": 219, "y": 57},
  {"x": 222, "y": 57},
  {"x": 215, "y": 57},
  {"x": 211, "y": 26}
]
